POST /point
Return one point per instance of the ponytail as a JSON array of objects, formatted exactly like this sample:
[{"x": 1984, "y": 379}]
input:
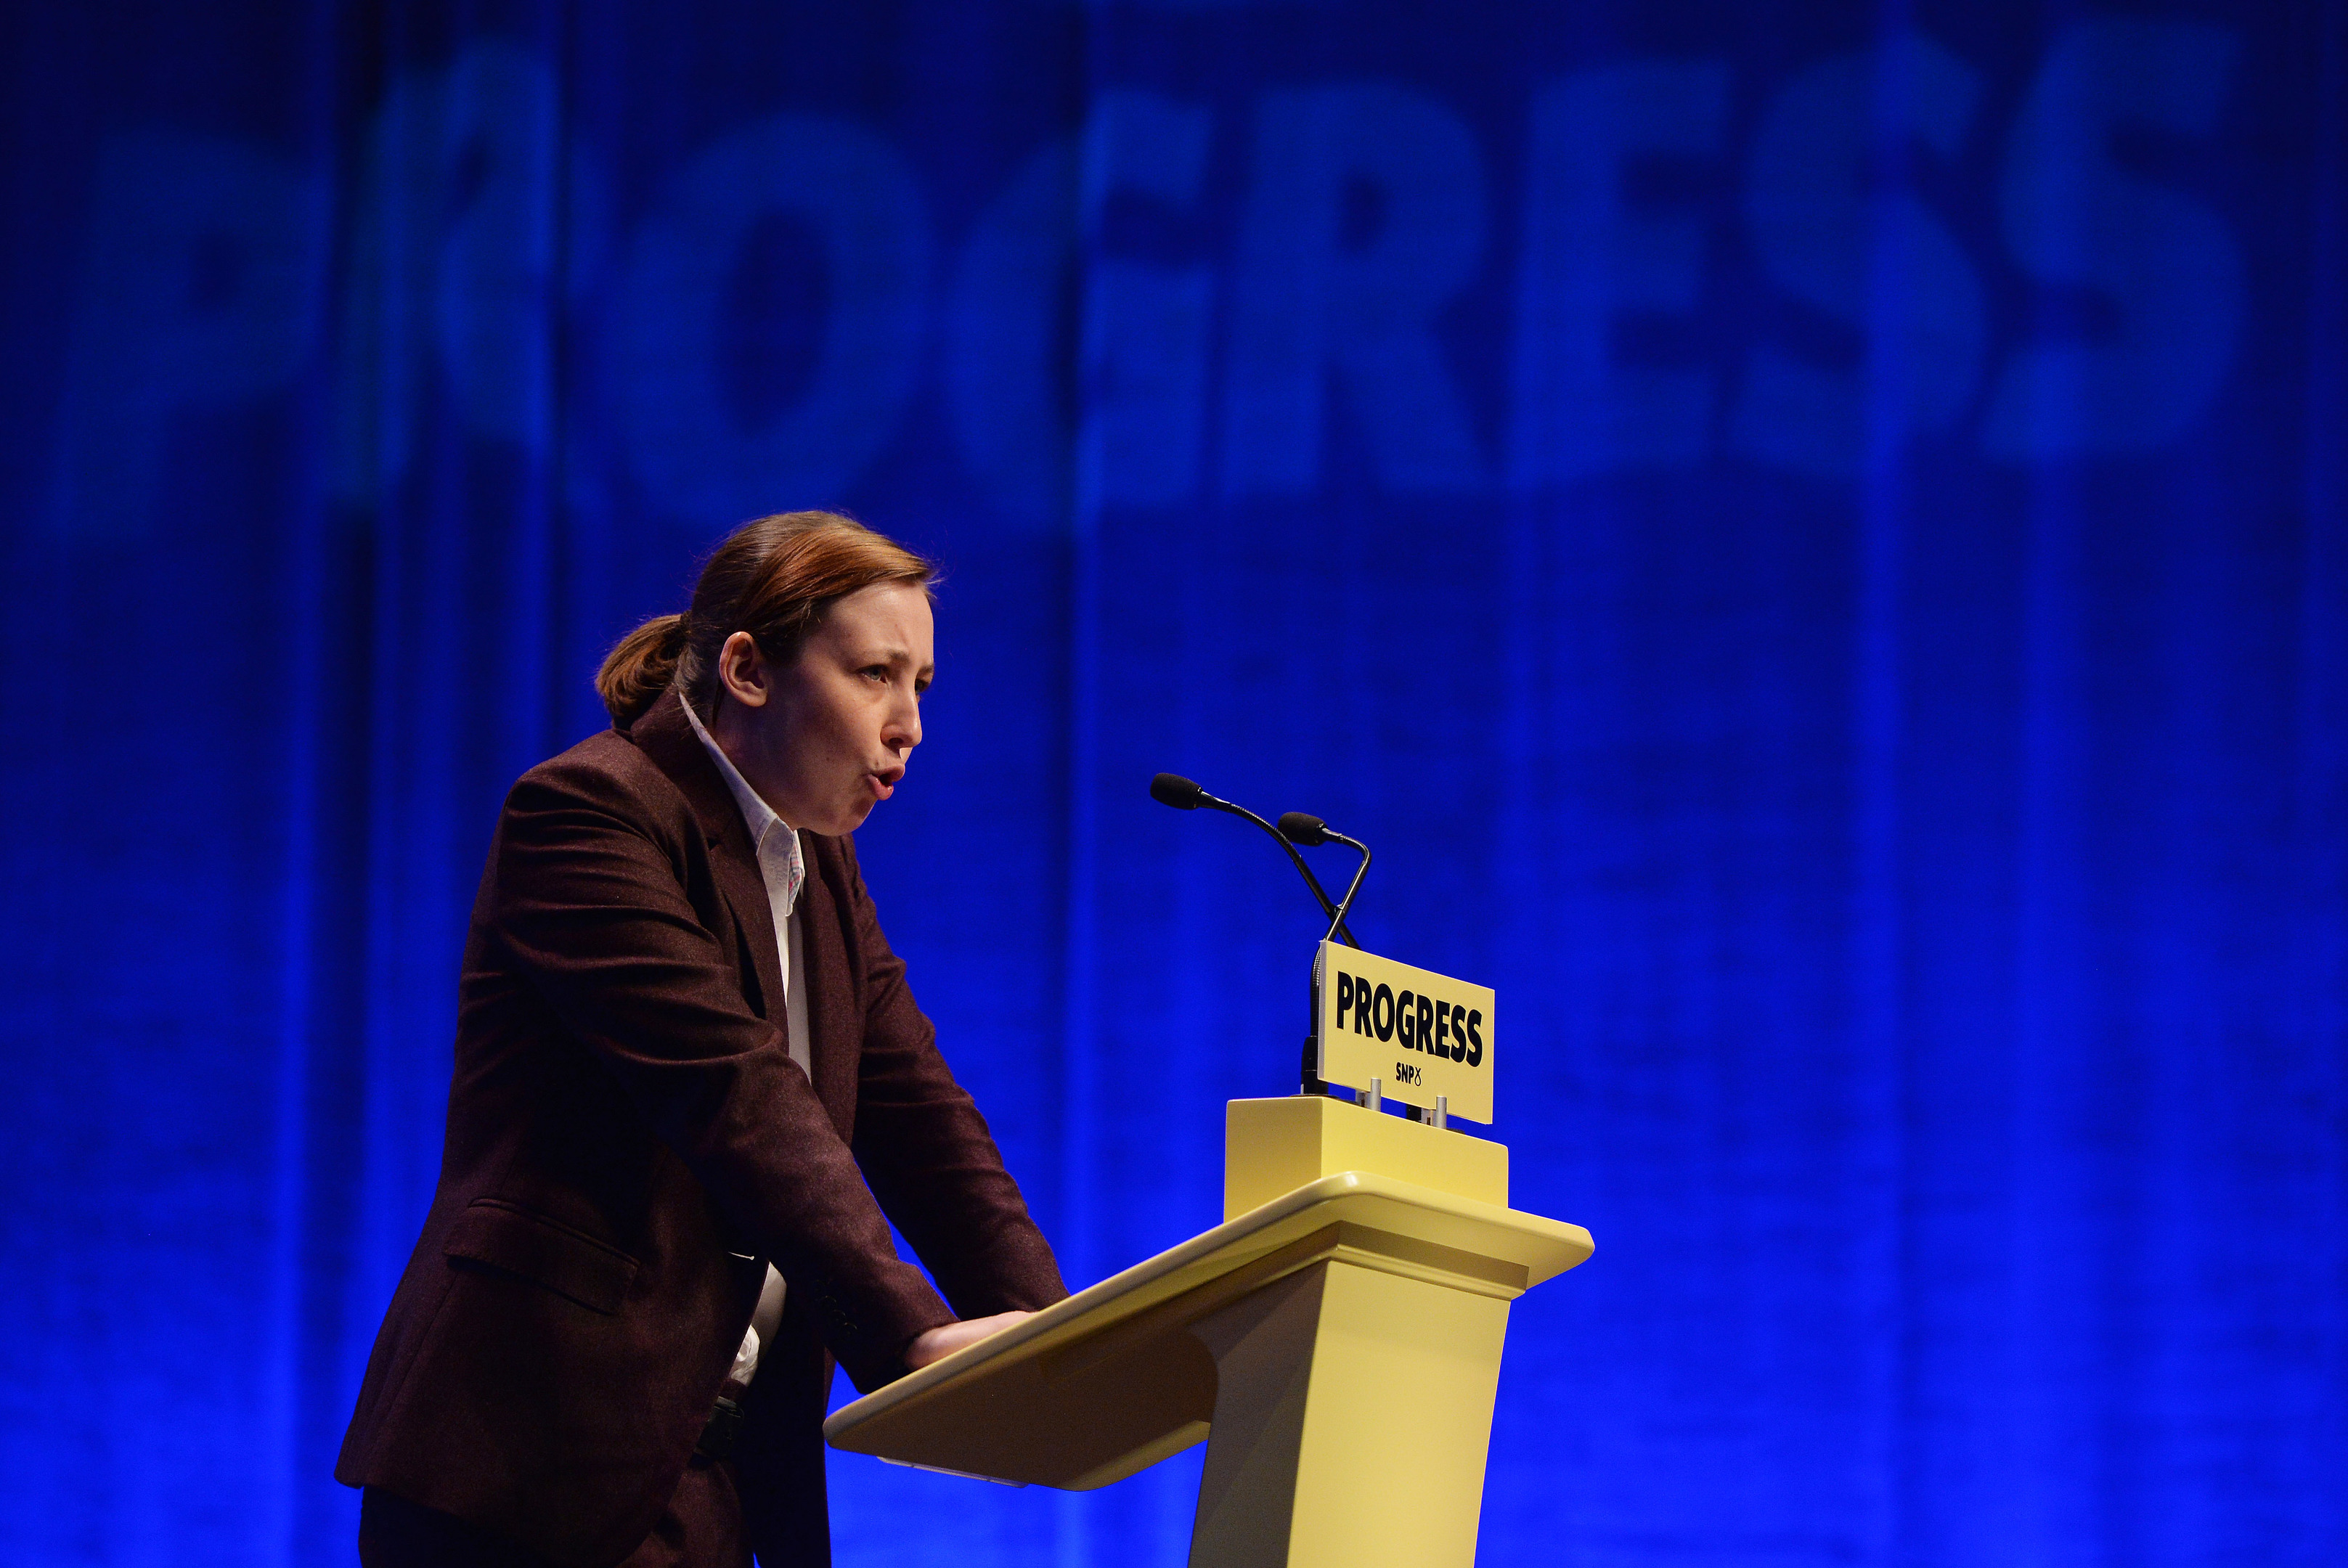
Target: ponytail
[{"x": 641, "y": 667}]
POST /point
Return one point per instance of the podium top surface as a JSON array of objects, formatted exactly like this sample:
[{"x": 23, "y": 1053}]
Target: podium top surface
[{"x": 1098, "y": 1386}]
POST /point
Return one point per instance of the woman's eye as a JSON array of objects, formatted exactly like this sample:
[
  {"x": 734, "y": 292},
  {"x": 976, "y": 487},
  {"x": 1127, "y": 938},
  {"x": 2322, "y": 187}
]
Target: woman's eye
[{"x": 876, "y": 672}]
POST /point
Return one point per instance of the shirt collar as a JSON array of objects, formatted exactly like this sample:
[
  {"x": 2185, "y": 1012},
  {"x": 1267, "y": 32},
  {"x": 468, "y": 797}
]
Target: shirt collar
[{"x": 757, "y": 815}]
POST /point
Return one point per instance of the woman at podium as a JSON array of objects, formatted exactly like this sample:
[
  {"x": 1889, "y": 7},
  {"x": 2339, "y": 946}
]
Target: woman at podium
[{"x": 690, "y": 1083}]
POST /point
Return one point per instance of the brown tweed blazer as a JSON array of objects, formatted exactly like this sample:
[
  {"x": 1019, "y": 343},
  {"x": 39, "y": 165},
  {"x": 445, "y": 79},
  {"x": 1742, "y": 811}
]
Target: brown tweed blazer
[{"x": 629, "y": 1143}]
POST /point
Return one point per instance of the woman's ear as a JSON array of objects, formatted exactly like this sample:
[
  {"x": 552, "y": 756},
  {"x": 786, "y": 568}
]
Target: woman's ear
[{"x": 742, "y": 670}]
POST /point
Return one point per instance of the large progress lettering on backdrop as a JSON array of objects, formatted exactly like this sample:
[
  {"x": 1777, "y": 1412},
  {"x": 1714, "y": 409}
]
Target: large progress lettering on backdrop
[
  {"x": 765, "y": 326},
  {"x": 1831, "y": 523}
]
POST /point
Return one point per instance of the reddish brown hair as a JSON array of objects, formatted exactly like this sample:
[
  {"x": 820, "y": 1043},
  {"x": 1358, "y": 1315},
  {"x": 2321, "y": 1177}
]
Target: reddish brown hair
[{"x": 774, "y": 578}]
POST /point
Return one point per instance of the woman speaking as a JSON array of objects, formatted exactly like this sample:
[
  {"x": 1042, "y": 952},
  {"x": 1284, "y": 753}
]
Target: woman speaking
[{"x": 690, "y": 1083}]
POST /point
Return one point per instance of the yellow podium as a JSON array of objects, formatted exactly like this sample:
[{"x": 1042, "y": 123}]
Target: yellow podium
[{"x": 1336, "y": 1341}]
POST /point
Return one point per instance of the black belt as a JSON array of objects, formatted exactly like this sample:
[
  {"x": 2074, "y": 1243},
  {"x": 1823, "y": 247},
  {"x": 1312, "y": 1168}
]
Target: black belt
[{"x": 723, "y": 1425}]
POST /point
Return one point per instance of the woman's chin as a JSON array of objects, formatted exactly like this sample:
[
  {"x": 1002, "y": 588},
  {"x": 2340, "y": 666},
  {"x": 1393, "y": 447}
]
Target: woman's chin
[{"x": 848, "y": 819}]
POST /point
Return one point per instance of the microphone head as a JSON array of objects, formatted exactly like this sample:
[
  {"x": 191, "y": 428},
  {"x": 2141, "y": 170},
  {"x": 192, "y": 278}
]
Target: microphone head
[
  {"x": 1174, "y": 790},
  {"x": 1302, "y": 828}
]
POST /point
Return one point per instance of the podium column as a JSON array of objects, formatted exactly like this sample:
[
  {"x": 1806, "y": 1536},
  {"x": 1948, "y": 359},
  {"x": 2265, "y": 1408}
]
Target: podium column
[{"x": 1352, "y": 1413}]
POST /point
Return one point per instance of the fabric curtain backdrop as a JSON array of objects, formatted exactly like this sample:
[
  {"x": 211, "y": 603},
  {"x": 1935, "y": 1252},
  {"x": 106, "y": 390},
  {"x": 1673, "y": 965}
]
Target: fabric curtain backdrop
[{"x": 1809, "y": 539}]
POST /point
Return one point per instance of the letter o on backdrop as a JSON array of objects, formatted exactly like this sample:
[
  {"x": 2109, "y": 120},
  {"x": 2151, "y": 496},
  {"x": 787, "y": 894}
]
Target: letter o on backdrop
[{"x": 689, "y": 443}]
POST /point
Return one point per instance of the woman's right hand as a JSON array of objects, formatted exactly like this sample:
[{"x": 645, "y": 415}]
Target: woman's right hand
[{"x": 948, "y": 1338}]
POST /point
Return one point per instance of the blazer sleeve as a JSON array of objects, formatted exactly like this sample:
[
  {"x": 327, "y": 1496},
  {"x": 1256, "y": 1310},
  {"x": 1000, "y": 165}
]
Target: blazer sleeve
[
  {"x": 926, "y": 1149},
  {"x": 590, "y": 906}
]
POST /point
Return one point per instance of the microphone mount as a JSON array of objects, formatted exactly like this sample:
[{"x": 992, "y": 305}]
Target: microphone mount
[{"x": 1186, "y": 794}]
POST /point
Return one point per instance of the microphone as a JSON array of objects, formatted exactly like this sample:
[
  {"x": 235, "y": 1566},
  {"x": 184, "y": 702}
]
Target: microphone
[
  {"x": 1181, "y": 793},
  {"x": 1304, "y": 827},
  {"x": 1184, "y": 794}
]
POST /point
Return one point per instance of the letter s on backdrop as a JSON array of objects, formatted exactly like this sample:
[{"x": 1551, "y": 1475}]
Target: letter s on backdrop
[{"x": 2167, "y": 264}]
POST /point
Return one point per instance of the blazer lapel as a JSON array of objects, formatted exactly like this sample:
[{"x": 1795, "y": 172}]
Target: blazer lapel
[
  {"x": 666, "y": 736},
  {"x": 835, "y": 1013}
]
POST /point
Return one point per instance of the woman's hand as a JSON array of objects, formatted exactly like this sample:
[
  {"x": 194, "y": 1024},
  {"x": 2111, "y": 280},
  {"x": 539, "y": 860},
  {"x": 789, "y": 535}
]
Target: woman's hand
[{"x": 948, "y": 1338}]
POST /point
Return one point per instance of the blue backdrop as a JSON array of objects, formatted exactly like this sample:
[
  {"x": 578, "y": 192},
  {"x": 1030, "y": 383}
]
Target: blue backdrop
[{"x": 1809, "y": 536}]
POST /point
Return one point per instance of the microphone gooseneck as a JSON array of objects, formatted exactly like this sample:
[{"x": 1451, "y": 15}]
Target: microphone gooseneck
[
  {"x": 1304, "y": 827},
  {"x": 1186, "y": 794}
]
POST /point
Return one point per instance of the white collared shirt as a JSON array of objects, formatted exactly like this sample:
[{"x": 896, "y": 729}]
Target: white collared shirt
[{"x": 784, "y": 871}]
